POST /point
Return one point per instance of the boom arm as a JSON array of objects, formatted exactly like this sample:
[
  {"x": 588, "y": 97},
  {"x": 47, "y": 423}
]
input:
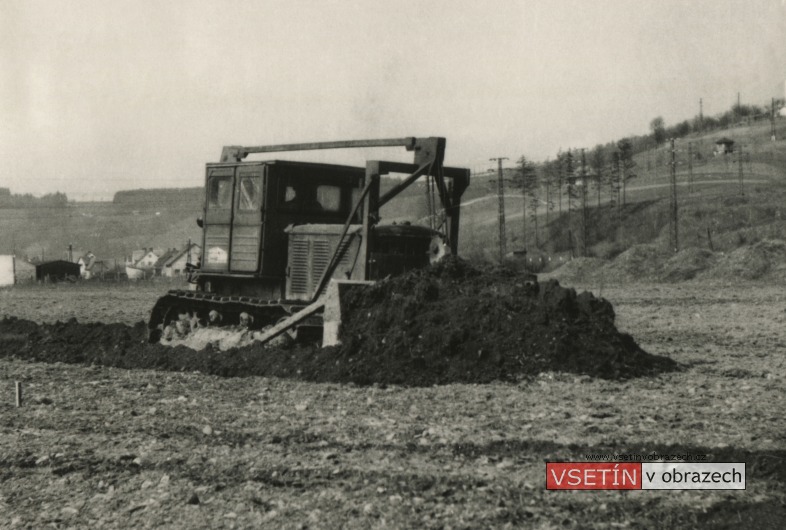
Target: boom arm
[{"x": 429, "y": 154}]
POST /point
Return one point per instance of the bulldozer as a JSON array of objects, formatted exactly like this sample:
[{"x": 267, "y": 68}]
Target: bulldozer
[{"x": 282, "y": 240}]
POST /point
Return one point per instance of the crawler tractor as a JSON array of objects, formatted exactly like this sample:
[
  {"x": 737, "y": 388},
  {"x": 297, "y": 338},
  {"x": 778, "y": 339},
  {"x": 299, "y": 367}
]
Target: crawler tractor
[{"x": 281, "y": 239}]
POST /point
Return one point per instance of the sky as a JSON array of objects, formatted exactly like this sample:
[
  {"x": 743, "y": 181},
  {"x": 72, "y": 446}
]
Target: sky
[{"x": 100, "y": 96}]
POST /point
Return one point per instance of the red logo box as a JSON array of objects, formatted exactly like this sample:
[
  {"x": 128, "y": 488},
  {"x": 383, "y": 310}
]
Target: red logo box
[{"x": 593, "y": 476}]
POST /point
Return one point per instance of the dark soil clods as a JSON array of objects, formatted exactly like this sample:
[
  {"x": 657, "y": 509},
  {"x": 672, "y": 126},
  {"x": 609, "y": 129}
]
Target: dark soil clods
[{"x": 448, "y": 323}]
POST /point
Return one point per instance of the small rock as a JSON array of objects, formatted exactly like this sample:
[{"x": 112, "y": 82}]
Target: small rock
[
  {"x": 193, "y": 499},
  {"x": 368, "y": 508},
  {"x": 42, "y": 460},
  {"x": 146, "y": 484},
  {"x": 207, "y": 429}
]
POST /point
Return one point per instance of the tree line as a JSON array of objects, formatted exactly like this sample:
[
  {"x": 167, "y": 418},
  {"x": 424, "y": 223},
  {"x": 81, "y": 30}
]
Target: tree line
[
  {"x": 569, "y": 184},
  {"x": 50, "y": 200}
]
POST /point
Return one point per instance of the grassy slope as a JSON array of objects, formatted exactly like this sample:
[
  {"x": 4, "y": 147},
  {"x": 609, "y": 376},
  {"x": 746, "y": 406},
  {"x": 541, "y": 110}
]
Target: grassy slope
[{"x": 714, "y": 204}]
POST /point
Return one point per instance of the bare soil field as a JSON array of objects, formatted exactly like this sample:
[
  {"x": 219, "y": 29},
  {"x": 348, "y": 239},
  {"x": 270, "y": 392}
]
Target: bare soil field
[{"x": 94, "y": 446}]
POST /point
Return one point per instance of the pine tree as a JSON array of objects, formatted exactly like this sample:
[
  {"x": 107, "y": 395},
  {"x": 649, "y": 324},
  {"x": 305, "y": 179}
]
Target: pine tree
[
  {"x": 527, "y": 180},
  {"x": 627, "y": 164}
]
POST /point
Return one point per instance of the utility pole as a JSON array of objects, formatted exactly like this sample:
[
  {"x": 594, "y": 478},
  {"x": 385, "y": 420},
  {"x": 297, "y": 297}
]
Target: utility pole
[
  {"x": 772, "y": 119},
  {"x": 618, "y": 186},
  {"x": 739, "y": 160},
  {"x": 690, "y": 168},
  {"x": 673, "y": 230},
  {"x": 501, "y": 195},
  {"x": 739, "y": 110},
  {"x": 583, "y": 204}
]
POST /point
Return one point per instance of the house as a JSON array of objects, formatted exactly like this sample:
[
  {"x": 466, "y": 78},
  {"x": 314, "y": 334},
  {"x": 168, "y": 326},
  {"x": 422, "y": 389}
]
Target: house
[
  {"x": 6, "y": 270},
  {"x": 144, "y": 259},
  {"x": 57, "y": 270},
  {"x": 723, "y": 146},
  {"x": 86, "y": 264},
  {"x": 158, "y": 268},
  {"x": 14, "y": 270},
  {"x": 141, "y": 263},
  {"x": 176, "y": 264}
]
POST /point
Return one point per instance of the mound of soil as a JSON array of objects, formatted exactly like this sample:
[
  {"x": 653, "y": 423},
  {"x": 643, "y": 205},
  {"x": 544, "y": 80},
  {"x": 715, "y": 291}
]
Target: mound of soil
[
  {"x": 752, "y": 262},
  {"x": 581, "y": 269},
  {"x": 448, "y": 323},
  {"x": 687, "y": 264},
  {"x": 638, "y": 262}
]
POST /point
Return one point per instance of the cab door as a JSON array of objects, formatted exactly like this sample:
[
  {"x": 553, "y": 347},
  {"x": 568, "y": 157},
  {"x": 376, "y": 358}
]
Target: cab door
[
  {"x": 248, "y": 219},
  {"x": 218, "y": 218}
]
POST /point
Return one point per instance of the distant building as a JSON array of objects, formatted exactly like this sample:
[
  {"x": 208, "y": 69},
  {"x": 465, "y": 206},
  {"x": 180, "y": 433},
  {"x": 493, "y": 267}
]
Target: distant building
[
  {"x": 176, "y": 264},
  {"x": 86, "y": 264},
  {"x": 723, "y": 146},
  {"x": 58, "y": 270},
  {"x": 141, "y": 263},
  {"x": 14, "y": 270},
  {"x": 6, "y": 270},
  {"x": 158, "y": 268}
]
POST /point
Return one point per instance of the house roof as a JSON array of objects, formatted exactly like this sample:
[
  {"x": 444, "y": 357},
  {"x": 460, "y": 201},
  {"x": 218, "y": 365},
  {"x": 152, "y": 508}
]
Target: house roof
[
  {"x": 163, "y": 258},
  {"x": 89, "y": 260},
  {"x": 177, "y": 255},
  {"x": 724, "y": 141}
]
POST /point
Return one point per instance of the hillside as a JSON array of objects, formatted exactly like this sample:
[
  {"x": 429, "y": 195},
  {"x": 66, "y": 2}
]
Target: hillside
[
  {"x": 721, "y": 232},
  {"x": 711, "y": 202},
  {"x": 160, "y": 218}
]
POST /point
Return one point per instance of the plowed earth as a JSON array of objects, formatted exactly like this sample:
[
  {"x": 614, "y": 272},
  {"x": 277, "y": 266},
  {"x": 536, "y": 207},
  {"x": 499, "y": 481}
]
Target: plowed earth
[
  {"x": 97, "y": 446},
  {"x": 449, "y": 323}
]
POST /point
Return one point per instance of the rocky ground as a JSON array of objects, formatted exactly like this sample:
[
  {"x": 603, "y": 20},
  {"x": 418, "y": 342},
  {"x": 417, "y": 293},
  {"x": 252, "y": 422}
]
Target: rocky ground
[{"x": 103, "y": 446}]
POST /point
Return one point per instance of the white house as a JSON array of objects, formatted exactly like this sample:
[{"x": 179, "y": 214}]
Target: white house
[
  {"x": 6, "y": 270},
  {"x": 176, "y": 264},
  {"x": 141, "y": 263},
  {"x": 148, "y": 259},
  {"x": 86, "y": 264},
  {"x": 14, "y": 270}
]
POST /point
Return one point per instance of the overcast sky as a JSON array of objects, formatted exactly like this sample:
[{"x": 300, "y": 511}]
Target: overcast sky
[{"x": 97, "y": 96}]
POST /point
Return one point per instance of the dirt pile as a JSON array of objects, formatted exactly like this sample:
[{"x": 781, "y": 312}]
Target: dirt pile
[
  {"x": 753, "y": 262},
  {"x": 449, "y": 323},
  {"x": 453, "y": 323},
  {"x": 687, "y": 264}
]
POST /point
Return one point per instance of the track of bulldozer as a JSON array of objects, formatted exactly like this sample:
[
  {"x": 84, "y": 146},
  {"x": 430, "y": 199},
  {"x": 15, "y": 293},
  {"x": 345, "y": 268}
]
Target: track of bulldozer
[{"x": 263, "y": 312}]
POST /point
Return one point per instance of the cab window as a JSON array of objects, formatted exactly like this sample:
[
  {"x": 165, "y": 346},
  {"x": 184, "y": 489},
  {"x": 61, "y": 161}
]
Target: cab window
[
  {"x": 249, "y": 193},
  {"x": 220, "y": 192},
  {"x": 308, "y": 197}
]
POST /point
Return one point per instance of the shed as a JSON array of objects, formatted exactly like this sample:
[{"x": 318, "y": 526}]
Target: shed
[
  {"x": 723, "y": 146},
  {"x": 57, "y": 270}
]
